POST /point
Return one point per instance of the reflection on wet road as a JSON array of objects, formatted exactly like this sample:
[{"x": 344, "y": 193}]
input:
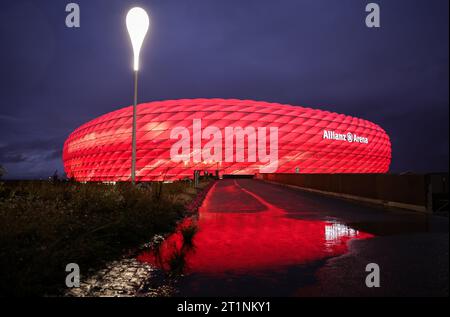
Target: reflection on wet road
[
  {"x": 253, "y": 238},
  {"x": 246, "y": 245}
]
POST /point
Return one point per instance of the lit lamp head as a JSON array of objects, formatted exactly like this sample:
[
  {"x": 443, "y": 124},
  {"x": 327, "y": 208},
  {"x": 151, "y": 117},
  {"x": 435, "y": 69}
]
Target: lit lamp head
[{"x": 138, "y": 23}]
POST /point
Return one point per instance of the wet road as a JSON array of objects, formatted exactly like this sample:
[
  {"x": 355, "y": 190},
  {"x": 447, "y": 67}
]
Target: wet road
[{"x": 261, "y": 239}]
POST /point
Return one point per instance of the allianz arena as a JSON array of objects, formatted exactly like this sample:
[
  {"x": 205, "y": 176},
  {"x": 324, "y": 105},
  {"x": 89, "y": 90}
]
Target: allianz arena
[{"x": 307, "y": 141}]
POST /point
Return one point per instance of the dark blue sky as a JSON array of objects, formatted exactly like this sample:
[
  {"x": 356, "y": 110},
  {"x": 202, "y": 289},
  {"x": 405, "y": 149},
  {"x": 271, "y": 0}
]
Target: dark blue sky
[{"x": 316, "y": 53}]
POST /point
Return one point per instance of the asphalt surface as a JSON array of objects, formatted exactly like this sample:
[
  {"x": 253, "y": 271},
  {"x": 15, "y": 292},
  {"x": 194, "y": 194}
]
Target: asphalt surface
[{"x": 411, "y": 249}]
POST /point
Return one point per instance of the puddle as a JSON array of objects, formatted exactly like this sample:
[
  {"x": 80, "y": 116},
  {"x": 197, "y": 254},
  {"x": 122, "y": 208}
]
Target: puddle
[{"x": 249, "y": 253}]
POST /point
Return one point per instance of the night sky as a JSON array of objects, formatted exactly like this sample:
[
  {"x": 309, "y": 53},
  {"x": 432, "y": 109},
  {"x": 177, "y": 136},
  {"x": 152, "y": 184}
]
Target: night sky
[{"x": 312, "y": 53}]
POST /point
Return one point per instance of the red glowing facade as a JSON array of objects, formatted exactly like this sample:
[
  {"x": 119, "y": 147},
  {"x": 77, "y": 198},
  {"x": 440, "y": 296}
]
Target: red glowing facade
[{"x": 309, "y": 141}]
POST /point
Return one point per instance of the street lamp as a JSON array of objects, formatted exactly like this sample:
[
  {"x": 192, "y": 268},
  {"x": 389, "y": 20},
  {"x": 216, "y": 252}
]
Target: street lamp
[{"x": 137, "y": 24}]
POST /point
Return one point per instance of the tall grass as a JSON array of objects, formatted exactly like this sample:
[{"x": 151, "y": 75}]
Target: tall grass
[
  {"x": 45, "y": 226},
  {"x": 177, "y": 262},
  {"x": 188, "y": 233}
]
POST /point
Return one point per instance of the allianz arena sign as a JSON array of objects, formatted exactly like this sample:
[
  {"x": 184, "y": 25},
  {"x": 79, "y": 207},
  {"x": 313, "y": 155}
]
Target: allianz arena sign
[
  {"x": 348, "y": 137},
  {"x": 177, "y": 137}
]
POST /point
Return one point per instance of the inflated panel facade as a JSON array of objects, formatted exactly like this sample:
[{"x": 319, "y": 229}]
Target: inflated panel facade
[{"x": 174, "y": 138}]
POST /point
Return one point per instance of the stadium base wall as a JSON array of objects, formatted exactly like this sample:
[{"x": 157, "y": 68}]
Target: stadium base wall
[{"x": 410, "y": 192}]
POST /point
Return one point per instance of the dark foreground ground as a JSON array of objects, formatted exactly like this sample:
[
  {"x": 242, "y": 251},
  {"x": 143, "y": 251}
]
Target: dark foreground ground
[
  {"x": 257, "y": 238},
  {"x": 47, "y": 225}
]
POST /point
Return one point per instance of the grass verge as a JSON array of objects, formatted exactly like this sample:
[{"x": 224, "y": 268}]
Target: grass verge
[{"x": 46, "y": 226}]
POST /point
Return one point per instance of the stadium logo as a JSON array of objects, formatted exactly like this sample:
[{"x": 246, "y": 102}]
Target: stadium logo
[
  {"x": 349, "y": 137},
  {"x": 232, "y": 150}
]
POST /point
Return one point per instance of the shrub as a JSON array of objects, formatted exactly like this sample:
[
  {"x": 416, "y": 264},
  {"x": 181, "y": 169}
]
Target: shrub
[
  {"x": 177, "y": 262},
  {"x": 47, "y": 225},
  {"x": 188, "y": 233}
]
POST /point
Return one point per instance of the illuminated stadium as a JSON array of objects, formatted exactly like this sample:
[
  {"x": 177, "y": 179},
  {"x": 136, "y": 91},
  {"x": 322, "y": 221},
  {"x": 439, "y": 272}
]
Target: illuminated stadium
[{"x": 234, "y": 137}]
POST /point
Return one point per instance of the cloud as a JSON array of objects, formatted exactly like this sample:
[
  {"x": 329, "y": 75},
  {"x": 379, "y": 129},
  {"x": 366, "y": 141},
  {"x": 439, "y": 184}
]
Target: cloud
[
  {"x": 6, "y": 117},
  {"x": 312, "y": 53},
  {"x": 32, "y": 159}
]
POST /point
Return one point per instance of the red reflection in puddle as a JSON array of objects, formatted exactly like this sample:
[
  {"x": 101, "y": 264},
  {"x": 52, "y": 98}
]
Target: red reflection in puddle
[{"x": 249, "y": 242}]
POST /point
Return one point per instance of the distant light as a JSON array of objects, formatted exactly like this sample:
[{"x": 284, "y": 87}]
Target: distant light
[{"x": 138, "y": 23}]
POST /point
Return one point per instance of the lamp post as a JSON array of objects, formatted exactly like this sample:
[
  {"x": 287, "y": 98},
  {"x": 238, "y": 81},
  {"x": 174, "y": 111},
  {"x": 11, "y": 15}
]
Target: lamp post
[{"x": 138, "y": 23}]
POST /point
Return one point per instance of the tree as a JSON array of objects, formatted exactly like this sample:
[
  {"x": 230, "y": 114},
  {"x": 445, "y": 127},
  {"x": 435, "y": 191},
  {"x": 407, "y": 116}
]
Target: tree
[
  {"x": 2, "y": 171},
  {"x": 55, "y": 177}
]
